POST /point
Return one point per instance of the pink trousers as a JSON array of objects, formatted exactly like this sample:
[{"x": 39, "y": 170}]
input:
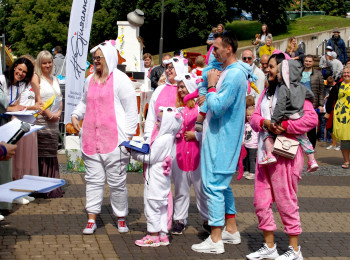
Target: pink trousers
[{"x": 279, "y": 183}]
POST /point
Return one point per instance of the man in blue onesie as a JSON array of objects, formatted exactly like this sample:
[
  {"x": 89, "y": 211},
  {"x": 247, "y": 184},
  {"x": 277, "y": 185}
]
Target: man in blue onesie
[{"x": 222, "y": 141}]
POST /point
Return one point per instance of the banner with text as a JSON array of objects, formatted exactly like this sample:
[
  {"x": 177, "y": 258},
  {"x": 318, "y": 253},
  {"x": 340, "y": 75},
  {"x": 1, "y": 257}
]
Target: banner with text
[{"x": 77, "y": 48}]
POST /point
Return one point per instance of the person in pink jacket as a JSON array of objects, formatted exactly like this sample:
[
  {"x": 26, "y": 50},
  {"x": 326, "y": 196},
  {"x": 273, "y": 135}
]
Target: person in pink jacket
[{"x": 278, "y": 182}]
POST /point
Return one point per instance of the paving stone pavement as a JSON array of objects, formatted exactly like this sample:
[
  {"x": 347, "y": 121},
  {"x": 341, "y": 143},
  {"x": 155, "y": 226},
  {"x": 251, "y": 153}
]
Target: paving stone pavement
[{"x": 51, "y": 229}]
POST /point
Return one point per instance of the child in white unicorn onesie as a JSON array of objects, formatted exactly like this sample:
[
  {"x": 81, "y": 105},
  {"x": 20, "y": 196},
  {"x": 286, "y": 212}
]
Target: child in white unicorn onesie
[{"x": 158, "y": 177}]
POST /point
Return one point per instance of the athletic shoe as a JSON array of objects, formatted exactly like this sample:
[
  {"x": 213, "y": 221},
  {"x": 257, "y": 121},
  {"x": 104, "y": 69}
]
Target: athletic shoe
[
  {"x": 268, "y": 159},
  {"x": 245, "y": 173},
  {"x": 264, "y": 253},
  {"x": 330, "y": 147},
  {"x": 2, "y": 217},
  {"x": 229, "y": 238},
  {"x": 206, "y": 227},
  {"x": 148, "y": 241},
  {"x": 122, "y": 227},
  {"x": 29, "y": 198},
  {"x": 250, "y": 176},
  {"x": 208, "y": 246},
  {"x": 312, "y": 166},
  {"x": 90, "y": 228},
  {"x": 22, "y": 201},
  {"x": 337, "y": 148},
  {"x": 178, "y": 228},
  {"x": 291, "y": 254},
  {"x": 164, "y": 240}
]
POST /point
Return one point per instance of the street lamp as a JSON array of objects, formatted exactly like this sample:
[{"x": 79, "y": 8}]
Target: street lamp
[{"x": 161, "y": 35}]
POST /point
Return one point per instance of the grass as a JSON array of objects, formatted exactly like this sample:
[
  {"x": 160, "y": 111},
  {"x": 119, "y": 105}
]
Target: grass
[{"x": 300, "y": 26}]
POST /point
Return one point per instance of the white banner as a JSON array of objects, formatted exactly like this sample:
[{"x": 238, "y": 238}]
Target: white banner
[{"x": 77, "y": 48}]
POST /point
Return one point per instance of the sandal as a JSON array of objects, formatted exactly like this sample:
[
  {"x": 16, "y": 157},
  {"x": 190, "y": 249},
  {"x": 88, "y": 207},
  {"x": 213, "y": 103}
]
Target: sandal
[{"x": 345, "y": 166}]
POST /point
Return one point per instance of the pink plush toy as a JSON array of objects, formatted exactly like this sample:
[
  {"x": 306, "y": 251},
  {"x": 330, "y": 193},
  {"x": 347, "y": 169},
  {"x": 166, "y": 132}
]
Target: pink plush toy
[{"x": 167, "y": 165}]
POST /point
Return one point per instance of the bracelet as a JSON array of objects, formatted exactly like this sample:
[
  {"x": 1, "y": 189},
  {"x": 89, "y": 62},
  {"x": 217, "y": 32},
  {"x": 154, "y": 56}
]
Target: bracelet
[
  {"x": 211, "y": 87},
  {"x": 4, "y": 150}
]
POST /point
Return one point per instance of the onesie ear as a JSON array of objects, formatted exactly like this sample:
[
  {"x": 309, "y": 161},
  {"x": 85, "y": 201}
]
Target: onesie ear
[
  {"x": 178, "y": 115},
  {"x": 199, "y": 80}
]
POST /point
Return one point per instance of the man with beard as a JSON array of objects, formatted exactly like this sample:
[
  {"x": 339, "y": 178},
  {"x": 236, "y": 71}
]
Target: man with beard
[{"x": 338, "y": 46}]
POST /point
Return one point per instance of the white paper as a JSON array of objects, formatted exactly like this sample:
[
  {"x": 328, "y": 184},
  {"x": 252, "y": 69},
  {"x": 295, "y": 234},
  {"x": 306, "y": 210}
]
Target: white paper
[
  {"x": 10, "y": 129},
  {"x": 56, "y": 104},
  {"x": 33, "y": 183},
  {"x": 21, "y": 113}
]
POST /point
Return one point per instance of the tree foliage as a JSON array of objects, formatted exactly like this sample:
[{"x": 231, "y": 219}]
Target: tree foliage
[{"x": 331, "y": 7}]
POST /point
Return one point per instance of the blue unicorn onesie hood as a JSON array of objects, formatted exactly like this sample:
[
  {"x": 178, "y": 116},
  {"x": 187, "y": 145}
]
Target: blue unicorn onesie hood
[{"x": 223, "y": 139}]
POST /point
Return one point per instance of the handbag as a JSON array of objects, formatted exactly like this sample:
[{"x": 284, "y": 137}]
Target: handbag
[{"x": 285, "y": 146}]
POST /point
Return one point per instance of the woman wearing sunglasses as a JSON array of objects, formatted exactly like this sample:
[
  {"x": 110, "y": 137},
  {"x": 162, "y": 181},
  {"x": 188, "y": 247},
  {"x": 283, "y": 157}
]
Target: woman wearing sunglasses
[{"x": 109, "y": 109}]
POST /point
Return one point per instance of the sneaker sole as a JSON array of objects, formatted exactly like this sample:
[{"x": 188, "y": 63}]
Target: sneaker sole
[
  {"x": 178, "y": 233},
  {"x": 148, "y": 245},
  {"x": 261, "y": 257},
  {"x": 217, "y": 252},
  {"x": 164, "y": 243},
  {"x": 234, "y": 242},
  {"x": 123, "y": 231}
]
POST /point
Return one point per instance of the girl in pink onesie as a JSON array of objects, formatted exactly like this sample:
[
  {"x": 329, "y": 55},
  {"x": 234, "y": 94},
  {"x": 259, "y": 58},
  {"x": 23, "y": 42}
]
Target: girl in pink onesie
[
  {"x": 109, "y": 109},
  {"x": 278, "y": 182},
  {"x": 158, "y": 177},
  {"x": 186, "y": 166}
]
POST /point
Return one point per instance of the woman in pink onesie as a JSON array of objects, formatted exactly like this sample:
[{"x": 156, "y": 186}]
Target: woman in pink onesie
[
  {"x": 186, "y": 166},
  {"x": 278, "y": 182},
  {"x": 109, "y": 109}
]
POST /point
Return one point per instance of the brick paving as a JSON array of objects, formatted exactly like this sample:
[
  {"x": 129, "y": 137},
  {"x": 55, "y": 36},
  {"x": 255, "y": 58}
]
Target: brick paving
[{"x": 51, "y": 229}]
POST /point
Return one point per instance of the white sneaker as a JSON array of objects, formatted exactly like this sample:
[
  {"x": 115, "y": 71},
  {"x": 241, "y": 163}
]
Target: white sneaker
[
  {"x": 208, "y": 246},
  {"x": 264, "y": 253},
  {"x": 90, "y": 228},
  {"x": 29, "y": 198},
  {"x": 2, "y": 217},
  {"x": 337, "y": 148},
  {"x": 229, "y": 238},
  {"x": 245, "y": 173},
  {"x": 122, "y": 227},
  {"x": 22, "y": 201},
  {"x": 330, "y": 147},
  {"x": 250, "y": 176},
  {"x": 291, "y": 254}
]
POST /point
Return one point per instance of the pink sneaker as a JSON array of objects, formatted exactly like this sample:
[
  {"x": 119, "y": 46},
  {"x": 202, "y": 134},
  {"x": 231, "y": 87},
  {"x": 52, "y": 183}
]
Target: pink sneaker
[
  {"x": 148, "y": 241},
  {"x": 268, "y": 159},
  {"x": 164, "y": 240},
  {"x": 312, "y": 166}
]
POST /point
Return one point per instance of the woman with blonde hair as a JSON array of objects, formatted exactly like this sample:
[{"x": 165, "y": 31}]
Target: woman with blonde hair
[
  {"x": 109, "y": 109},
  {"x": 49, "y": 118},
  {"x": 294, "y": 51}
]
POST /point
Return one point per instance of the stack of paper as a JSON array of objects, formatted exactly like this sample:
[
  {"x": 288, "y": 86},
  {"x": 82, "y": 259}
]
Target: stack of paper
[{"x": 29, "y": 184}]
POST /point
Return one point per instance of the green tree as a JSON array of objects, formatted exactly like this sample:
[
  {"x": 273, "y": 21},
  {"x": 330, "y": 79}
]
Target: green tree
[
  {"x": 331, "y": 7},
  {"x": 36, "y": 25}
]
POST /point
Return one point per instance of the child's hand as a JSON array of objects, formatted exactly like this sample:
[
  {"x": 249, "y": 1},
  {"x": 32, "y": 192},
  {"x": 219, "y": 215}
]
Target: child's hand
[{"x": 189, "y": 135}]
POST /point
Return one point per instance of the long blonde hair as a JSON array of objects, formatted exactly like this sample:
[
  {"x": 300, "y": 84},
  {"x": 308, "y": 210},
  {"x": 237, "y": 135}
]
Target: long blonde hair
[
  {"x": 101, "y": 77},
  {"x": 180, "y": 102},
  {"x": 290, "y": 47},
  {"x": 43, "y": 55}
]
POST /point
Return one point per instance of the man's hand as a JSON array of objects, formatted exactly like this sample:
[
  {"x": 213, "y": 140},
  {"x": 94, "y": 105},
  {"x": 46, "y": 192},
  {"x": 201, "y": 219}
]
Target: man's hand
[
  {"x": 213, "y": 76},
  {"x": 75, "y": 123},
  {"x": 189, "y": 136}
]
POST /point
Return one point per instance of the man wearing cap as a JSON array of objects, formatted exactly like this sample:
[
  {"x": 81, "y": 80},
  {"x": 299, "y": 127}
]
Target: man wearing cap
[
  {"x": 338, "y": 46},
  {"x": 337, "y": 66},
  {"x": 325, "y": 64}
]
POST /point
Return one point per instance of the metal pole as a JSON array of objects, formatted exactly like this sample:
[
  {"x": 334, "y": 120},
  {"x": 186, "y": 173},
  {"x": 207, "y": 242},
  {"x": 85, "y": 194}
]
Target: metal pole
[
  {"x": 301, "y": 8},
  {"x": 3, "y": 52},
  {"x": 161, "y": 35}
]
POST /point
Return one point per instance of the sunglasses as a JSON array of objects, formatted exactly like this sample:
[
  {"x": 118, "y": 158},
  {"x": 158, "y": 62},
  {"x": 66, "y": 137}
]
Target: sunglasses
[
  {"x": 247, "y": 58},
  {"x": 97, "y": 58}
]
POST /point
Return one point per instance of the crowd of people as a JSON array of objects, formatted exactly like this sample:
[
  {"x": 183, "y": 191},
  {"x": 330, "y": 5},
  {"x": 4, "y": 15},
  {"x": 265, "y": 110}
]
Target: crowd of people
[{"x": 201, "y": 123}]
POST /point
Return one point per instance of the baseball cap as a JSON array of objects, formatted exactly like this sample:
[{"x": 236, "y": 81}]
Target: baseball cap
[
  {"x": 329, "y": 48},
  {"x": 336, "y": 30}
]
